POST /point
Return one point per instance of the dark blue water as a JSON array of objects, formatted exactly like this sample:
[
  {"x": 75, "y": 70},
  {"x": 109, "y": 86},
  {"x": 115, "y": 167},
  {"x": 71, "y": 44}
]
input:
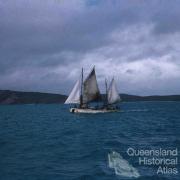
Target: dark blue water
[{"x": 47, "y": 142}]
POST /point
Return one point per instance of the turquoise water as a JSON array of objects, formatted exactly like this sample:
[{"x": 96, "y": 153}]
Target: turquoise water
[{"x": 47, "y": 142}]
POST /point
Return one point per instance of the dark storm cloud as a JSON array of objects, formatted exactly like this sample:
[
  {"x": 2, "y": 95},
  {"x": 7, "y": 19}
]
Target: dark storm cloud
[
  {"x": 31, "y": 31},
  {"x": 167, "y": 18},
  {"x": 44, "y": 43}
]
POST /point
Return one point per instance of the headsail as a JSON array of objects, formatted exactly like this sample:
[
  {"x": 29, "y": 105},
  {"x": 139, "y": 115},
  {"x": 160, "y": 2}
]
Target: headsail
[
  {"x": 113, "y": 95},
  {"x": 74, "y": 97},
  {"x": 91, "y": 90}
]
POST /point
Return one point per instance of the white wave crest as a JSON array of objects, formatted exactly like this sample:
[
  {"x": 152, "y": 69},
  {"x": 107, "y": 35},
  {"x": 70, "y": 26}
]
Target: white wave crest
[{"x": 121, "y": 166}]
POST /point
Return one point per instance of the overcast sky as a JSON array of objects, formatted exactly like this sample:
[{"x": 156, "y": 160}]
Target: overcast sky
[{"x": 44, "y": 44}]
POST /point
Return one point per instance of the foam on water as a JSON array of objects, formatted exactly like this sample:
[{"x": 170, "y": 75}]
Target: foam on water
[
  {"x": 121, "y": 166},
  {"x": 136, "y": 110}
]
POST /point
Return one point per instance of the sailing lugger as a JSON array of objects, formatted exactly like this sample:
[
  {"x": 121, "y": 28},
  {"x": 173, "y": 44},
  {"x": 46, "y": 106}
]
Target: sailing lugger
[{"x": 87, "y": 91}]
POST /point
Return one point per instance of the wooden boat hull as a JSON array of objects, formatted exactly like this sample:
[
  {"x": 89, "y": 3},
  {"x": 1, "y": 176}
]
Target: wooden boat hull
[{"x": 92, "y": 111}]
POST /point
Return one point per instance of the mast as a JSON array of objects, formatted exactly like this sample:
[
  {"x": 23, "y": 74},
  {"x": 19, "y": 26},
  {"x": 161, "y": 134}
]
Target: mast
[
  {"x": 81, "y": 97},
  {"x": 106, "y": 95}
]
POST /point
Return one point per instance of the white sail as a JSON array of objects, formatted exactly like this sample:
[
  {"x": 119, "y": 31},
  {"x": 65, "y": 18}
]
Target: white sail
[
  {"x": 90, "y": 88},
  {"x": 74, "y": 97},
  {"x": 113, "y": 95}
]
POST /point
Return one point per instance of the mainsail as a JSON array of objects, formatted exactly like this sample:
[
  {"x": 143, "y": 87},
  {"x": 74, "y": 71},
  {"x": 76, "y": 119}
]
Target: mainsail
[
  {"x": 113, "y": 95},
  {"x": 74, "y": 97},
  {"x": 90, "y": 88}
]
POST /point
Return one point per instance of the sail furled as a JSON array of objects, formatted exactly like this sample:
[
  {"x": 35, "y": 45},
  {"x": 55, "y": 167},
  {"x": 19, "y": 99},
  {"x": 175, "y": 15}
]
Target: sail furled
[
  {"x": 90, "y": 88},
  {"x": 74, "y": 97},
  {"x": 113, "y": 95}
]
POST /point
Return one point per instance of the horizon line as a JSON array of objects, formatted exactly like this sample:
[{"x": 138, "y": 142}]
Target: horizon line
[{"x": 101, "y": 93}]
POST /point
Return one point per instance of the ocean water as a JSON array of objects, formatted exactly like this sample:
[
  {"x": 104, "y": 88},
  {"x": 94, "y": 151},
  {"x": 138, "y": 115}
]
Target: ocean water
[{"x": 46, "y": 142}]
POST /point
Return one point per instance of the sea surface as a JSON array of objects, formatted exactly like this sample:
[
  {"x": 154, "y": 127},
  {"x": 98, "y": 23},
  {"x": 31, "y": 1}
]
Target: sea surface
[{"x": 46, "y": 142}]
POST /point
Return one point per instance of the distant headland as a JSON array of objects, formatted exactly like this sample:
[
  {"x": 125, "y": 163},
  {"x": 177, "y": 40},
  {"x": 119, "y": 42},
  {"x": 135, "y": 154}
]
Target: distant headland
[{"x": 19, "y": 97}]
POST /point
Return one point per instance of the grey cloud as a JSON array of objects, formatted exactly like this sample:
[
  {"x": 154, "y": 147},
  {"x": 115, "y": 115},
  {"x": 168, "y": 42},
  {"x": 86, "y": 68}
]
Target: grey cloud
[
  {"x": 130, "y": 71},
  {"x": 166, "y": 18},
  {"x": 44, "y": 37}
]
